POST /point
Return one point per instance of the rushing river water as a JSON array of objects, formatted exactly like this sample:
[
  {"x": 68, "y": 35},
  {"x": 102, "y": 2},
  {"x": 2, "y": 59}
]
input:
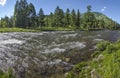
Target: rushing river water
[{"x": 44, "y": 54}]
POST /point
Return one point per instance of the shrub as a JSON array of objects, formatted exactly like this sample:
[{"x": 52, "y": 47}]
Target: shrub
[
  {"x": 95, "y": 54},
  {"x": 101, "y": 46},
  {"x": 79, "y": 67},
  {"x": 111, "y": 48},
  {"x": 70, "y": 75},
  {"x": 8, "y": 74}
]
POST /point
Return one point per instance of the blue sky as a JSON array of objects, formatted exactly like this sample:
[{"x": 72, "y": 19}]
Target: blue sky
[{"x": 108, "y": 7}]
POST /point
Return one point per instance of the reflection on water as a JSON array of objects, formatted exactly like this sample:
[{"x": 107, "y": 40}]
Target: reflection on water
[{"x": 39, "y": 53}]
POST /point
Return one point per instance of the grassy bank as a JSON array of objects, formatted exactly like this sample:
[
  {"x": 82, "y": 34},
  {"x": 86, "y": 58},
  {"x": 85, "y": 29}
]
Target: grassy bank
[
  {"x": 57, "y": 28},
  {"x": 44, "y": 29},
  {"x": 35, "y": 30},
  {"x": 17, "y": 30},
  {"x": 8, "y": 74},
  {"x": 105, "y": 63}
]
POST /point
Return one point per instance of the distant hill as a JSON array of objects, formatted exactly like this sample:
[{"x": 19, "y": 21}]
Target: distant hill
[
  {"x": 101, "y": 16},
  {"x": 104, "y": 21}
]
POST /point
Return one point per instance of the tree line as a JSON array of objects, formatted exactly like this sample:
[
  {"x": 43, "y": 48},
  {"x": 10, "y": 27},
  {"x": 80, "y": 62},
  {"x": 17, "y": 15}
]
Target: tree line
[{"x": 25, "y": 16}]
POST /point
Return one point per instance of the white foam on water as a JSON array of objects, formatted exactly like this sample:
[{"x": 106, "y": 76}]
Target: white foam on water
[
  {"x": 99, "y": 35},
  {"x": 11, "y": 41},
  {"x": 97, "y": 40},
  {"x": 70, "y": 35},
  {"x": 77, "y": 45},
  {"x": 54, "y": 50},
  {"x": 55, "y": 61},
  {"x": 58, "y": 50}
]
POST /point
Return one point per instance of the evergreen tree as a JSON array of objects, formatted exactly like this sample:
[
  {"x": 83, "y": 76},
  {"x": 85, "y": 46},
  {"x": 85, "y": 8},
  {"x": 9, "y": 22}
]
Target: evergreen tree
[
  {"x": 89, "y": 8},
  {"x": 88, "y": 18},
  {"x": 31, "y": 16},
  {"x": 41, "y": 17},
  {"x": 51, "y": 20},
  {"x": 21, "y": 14},
  {"x": 73, "y": 18},
  {"x": 67, "y": 17},
  {"x": 58, "y": 17},
  {"x": 16, "y": 14},
  {"x": 78, "y": 19}
]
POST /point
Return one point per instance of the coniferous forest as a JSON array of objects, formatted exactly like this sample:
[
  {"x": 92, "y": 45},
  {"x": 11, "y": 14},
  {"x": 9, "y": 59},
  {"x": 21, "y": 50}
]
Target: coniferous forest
[{"x": 25, "y": 16}]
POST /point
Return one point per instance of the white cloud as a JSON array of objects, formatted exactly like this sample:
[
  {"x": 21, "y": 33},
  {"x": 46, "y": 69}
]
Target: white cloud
[
  {"x": 3, "y": 2},
  {"x": 104, "y": 8}
]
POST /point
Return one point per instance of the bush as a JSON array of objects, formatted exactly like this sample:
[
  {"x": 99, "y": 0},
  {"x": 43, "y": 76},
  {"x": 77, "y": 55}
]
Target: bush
[
  {"x": 8, "y": 74},
  {"x": 111, "y": 48},
  {"x": 79, "y": 67},
  {"x": 71, "y": 75},
  {"x": 95, "y": 54},
  {"x": 101, "y": 46}
]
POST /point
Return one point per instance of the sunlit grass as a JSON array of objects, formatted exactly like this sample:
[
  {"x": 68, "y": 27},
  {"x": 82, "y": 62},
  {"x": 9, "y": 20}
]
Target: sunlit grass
[{"x": 16, "y": 30}]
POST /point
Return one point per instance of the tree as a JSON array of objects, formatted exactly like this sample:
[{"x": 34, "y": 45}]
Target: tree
[
  {"x": 6, "y": 22},
  {"x": 41, "y": 17},
  {"x": 88, "y": 19},
  {"x": 16, "y": 14},
  {"x": 67, "y": 17},
  {"x": 31, "y": 16},
  {"x": 73, "y": 18},
  {"x": 51, "y": 20},
  {"x": 89, "y": 8},
  {"x": 3, "y": 23},
  {"x": 78, "y": 19},
  {"x": 20, "y": 14},
  {"x": 58, "y": 17}
]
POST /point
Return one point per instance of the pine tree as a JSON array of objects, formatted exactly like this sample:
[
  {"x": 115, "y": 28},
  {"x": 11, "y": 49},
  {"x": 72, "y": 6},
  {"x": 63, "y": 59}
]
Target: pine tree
[
  {"x": 67, "y": 17},
  {"x": 16, "y": 14},
  {"x": 78, "y": 19},
  {"x": 21, "y": 14},
  {"x": 73, "y": 18},
  {"x": 41, "y": 17},
  {"x": 31, "y": 16},
  {"x": 51, "y": 20},
  {"x": 58, "y": 17},
  {"x": 88, "y": 19}
]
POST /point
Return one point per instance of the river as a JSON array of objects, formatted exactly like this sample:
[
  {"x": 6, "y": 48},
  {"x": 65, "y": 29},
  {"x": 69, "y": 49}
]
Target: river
[{"x": 48, "y": 54}]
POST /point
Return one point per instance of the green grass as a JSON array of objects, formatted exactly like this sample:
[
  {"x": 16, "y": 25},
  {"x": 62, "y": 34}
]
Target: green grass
[
  {"x": 37, "y": 30},
  {"x": 105, "y": 63},
  {"x": 17, "y": 30},
  {"x": 40, "y": 29},
  {"x": 57, "y": 28},
  {"x": 8, "y": 74}
]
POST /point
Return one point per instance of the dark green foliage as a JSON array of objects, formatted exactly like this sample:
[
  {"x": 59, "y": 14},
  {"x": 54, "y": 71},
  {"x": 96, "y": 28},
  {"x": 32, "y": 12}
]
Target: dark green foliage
[
  {"x": 67, "y": 18},
  {"x": 95, "y": 54},
  {"x": 21, "y": 14},
  {"x": 80, "y": 66},
  {"x": 78, "y": 19},
  {"x": 58, "y": 17},
  {"x": 31, "y": 16},
  {"x": 111, "y": 48},
  {"x": 8, "y": 74},
  {"x": 101, "y": 46},
  {"x": 88, "y": 19},
  {"x": 89, "y": 8},
  {"x": 6, "y": 22},
  {"x": 41, "y": 17},
  {"x": 73, "y": 18},
  {"x": 71, "y": 75}
]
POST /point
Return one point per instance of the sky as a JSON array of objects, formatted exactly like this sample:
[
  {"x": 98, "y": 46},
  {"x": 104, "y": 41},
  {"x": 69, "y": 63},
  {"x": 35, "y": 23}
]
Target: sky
[{"x": 107, "y": 7}]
